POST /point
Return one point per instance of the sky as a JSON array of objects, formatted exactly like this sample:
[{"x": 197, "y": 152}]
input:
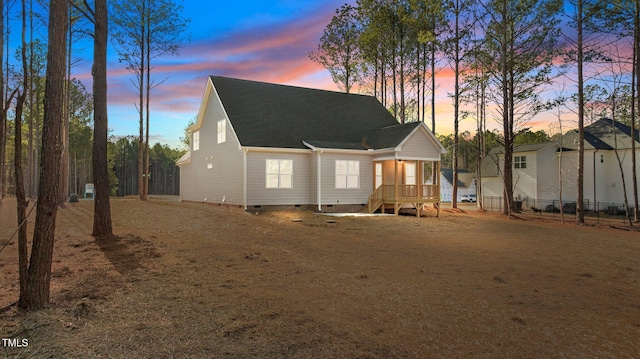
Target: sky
[{"x": 255, "y": 40}]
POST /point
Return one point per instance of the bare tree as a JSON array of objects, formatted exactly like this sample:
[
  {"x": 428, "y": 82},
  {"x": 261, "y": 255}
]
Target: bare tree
[
  {"x": 338, "y": 48},
  {"x": 144, "y": 30},
  {"x": 521, "y": 40}
]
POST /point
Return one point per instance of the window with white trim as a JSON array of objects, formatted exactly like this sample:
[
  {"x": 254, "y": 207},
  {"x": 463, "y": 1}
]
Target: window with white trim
[
  {"x": 279, "y": 174},
  {"x": 520, "y": 162},
  {"x": 196, "y": 140},
  {"x": 347, "y": 174},
  {"x": 222, "y": 131}
]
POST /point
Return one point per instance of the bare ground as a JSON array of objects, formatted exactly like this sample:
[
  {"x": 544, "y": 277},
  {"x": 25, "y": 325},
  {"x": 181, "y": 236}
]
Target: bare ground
[{"x": 189, "y": 280}]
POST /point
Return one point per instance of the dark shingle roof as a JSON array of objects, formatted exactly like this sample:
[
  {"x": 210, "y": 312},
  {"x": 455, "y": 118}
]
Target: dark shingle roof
[
  {"x": 604, "y": 134},
  {"x": 271, "y": 115},
  {"x": 447, "y": 173}
]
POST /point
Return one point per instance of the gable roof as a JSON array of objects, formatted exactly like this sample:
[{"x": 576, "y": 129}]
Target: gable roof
[
  {"x": 271, "y": 115},
  {"x": 447, "y": 173},
  {"x": 600, "y": 135}
]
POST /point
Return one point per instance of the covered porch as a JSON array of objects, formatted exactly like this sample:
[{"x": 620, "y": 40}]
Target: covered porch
[{"x": 405, "y": 183}]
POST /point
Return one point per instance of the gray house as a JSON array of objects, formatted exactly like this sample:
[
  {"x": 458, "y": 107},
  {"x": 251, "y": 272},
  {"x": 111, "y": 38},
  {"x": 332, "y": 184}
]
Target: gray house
[{"x": 258, "y": 145}]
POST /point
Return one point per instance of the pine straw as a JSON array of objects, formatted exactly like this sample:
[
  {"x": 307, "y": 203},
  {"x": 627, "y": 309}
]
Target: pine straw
[{"x": 193, "y": 280}]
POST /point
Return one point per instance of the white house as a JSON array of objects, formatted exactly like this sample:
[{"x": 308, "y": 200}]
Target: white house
[
  {"x": 259, "y": 145},
  {"x": 466, "y": 184},
  {"x": 542, "y": 171}
]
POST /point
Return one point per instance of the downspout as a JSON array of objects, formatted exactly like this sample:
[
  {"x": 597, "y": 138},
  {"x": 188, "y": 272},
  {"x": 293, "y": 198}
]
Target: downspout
[
  {"x": 319, "y": 164},
  {"x": 595, "y": 199},
  {"x": 245, "y": 178}
]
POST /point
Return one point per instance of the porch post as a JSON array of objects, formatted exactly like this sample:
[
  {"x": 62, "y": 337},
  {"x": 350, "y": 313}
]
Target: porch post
[
  {"x": 396, "y": 210},
  {"x": 420, "y": 180},
  {"x": 419, "y": 183}
]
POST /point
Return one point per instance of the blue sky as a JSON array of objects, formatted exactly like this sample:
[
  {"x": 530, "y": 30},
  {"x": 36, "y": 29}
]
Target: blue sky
[{"x": 257, "y": 40}]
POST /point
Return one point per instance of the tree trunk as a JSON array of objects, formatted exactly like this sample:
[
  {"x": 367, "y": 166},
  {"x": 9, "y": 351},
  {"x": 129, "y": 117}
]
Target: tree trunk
[
  {"x": 102, "y": 212},
  {"x": 65, "y": 165},
  {"x": 635, "y": 97},
  {"x": 148, "y": 95},
  {"x": 22, "y": 203},
  {"x": 580, "y": 199},
  {"x": 39, "y": 279},
  {"x": 456, "y": 107},
  {"x": 3, "y": 111}
]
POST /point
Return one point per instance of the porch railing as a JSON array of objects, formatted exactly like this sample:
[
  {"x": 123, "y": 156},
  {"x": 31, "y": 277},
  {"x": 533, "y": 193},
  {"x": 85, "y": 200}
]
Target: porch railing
[
  {"x": 407, "y": 193},
  {"x": 411, "y": 191},
  {"x": 376, "y": 199}
]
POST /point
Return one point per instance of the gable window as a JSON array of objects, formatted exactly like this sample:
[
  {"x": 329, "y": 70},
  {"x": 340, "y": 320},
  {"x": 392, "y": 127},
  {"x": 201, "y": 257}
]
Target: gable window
[
  {"x": 520, "y": 162},
  {"x": 347, "y": 174},
  {"x": 196, "y": 140},
  {"x": 279, "y": 174},
  {"x": 222, "y": 131}
]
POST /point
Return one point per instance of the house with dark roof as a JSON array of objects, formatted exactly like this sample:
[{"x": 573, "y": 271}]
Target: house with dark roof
[
  {"x": 539, "y": 168},
  {"x": 466, "y": 184},
  {"x": 259, "y": 145}
]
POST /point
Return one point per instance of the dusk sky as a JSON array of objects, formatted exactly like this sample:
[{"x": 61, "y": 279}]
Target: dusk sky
[{"x": 255, "y": 40}]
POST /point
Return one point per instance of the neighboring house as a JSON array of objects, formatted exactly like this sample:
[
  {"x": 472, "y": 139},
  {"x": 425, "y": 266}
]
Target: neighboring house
[
  {"x": 535, "y": 171},
  {"x": 257, "y": 145},
  {"x": 537, "y": 168},
  {"x": 466, "y": 184}
]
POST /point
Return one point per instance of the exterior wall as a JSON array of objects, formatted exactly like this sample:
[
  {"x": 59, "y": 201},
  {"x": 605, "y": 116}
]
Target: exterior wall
[
  {"x": 611, "y": 188},
  {"x": 334, "y": 196},
  {"x": 524, "y": 179},
  {"x": 419, "y": 146},
  {"x": 222, "y": 183},
  {"x": 187, "y": 191},
  {"x": 257, "y": 192}
]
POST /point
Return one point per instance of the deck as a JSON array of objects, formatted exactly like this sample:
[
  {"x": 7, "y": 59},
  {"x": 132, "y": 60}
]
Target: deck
[{"x": 397, "y": 195}]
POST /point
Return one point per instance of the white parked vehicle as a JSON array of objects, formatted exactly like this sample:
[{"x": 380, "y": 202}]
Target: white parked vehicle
[{"x": 471, "y": 198}]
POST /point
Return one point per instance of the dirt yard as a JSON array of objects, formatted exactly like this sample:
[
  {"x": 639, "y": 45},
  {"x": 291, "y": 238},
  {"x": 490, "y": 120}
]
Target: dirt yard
[{"x": 190, "y": 280}]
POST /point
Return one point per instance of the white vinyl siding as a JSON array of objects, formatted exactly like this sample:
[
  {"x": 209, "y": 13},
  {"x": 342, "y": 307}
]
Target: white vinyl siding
[
  {"x": 419, "y": 145},
  {"x": 223, "y": 183},
  {"x": 332, "y": 195},
  {"x": 222, "y": 131},
  {"x": 279, "y": 174},
  {"x": 196, "y": 140},
  {"x": 299, "y": 193},
  {"x": 347, "y": 174}
]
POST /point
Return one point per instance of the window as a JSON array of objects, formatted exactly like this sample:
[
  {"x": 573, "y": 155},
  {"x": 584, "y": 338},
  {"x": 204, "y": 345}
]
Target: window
[
  {"x": 279, "y": 173},
  {"x": 409, "y": 173},
  {"x": 196, "y": 140},
  {"x": 520, "y": 162},
  {"x": 378, "y": 174},
  {"x": 222, "y": 131},
  {"x": 347, "y": 174}
]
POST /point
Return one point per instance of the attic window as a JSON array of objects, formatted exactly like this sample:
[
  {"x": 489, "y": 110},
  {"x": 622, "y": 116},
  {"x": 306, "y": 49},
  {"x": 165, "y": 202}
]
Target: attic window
[
  {"x": 222, "y": 131},
  {"x": 520, "y": 162},
  {"x": 196, "y": 140}
]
